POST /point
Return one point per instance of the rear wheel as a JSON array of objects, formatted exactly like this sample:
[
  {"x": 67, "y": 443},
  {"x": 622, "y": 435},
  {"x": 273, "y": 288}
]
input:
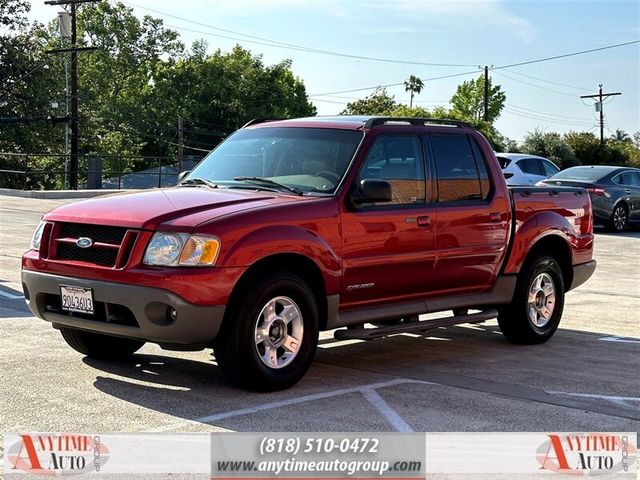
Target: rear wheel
[
  {"x": 619, "y": 218},
  {"x": 270, "y": 337},
  {"x": 96, "y": 345},
  {"x": 534, "y": 313}
]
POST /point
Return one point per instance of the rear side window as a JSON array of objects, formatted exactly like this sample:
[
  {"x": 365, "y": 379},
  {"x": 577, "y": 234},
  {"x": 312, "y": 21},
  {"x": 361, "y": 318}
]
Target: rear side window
[
  {"x": 629, "y": 179},
  {"x": 531, "y": 165},
  {"x": 549, "y": 168},
  {"x": 459, "y": 178}
]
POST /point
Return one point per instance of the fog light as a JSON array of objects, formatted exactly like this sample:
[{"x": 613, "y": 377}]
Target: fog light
[{"x": 172, "y": 314}]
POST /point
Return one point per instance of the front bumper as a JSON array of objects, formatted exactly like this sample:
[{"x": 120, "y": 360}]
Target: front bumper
[
  {"x": 125, "y": 310},
  {"x": 581, "y": 273}
]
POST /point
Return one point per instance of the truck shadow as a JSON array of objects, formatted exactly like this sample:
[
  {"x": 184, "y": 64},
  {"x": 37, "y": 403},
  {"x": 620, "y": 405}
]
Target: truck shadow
[{"x": 194, "y": 389}]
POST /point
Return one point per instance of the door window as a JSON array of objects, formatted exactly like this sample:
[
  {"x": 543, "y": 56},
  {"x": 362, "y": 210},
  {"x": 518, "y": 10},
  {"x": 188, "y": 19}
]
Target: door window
[
  {"x": 628, "y": 179},
  {"x": 398, "y": 160},
  {"x": 531, "y": 166},
  {"x": 549, "y": 168},
  {"x": 458, "y": 176}
]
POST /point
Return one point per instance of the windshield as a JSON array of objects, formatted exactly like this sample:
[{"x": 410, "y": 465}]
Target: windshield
[
  {"x": 302, "y": 159},
  {"x": 587, "y": 174}
]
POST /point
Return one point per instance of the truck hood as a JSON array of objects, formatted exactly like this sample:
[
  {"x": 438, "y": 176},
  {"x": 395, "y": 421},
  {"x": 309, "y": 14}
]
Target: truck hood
[{"x": 148, "y": 210}]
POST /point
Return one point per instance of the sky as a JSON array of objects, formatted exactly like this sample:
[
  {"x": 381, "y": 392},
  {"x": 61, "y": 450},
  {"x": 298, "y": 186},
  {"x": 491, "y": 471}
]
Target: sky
[{"x": 464, "y": 35}]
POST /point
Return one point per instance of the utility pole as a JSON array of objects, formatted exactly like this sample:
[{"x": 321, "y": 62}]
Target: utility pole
[
  {"x": 486, "y": 93},
  {"x": 180, "y": 144},
  {"x": 599, "y": 107},
  {"x": 73, "y": 119},
  {"x": 64, "y": 21}
]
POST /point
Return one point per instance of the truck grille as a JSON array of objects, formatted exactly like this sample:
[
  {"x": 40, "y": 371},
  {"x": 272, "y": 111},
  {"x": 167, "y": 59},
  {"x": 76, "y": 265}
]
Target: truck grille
[{"x": 110, "y": 246}]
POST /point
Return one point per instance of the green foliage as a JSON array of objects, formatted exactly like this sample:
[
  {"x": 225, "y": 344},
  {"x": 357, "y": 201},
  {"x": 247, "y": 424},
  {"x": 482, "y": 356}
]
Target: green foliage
[
  {"x": 378, "y": 103},
  {"x": 468, "y": 101},
  {"x": 132, "y": 89},
  {"x": 550, "y": 145}
]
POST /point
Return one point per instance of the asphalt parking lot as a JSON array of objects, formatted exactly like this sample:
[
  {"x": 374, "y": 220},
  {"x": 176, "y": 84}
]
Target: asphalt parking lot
[{"x": 465, "y": 378}]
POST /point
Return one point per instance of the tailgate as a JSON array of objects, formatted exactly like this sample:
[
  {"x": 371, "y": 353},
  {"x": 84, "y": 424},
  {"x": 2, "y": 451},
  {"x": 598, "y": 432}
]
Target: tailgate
[{"x": 572, "y": 203}]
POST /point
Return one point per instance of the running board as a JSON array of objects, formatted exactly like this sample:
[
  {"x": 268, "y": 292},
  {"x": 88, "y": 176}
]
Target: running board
[{"x": 423, "y": 326}]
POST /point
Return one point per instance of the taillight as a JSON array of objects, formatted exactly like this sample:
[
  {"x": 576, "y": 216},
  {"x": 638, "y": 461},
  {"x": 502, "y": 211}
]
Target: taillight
[{"x": 597, "y": 191}]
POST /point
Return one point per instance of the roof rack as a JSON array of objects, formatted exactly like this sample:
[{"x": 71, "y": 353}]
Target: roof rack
[
  {"x": 261, "y": 120},
  {"x": 376, "y": 121}
]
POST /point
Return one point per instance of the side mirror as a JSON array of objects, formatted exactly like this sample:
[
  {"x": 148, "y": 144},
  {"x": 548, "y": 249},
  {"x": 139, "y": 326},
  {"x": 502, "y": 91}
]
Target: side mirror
[
  {"x": 373, "y": 190},
  {"x": 508, "y": 175},
  {"x": 183, "y": 174}
]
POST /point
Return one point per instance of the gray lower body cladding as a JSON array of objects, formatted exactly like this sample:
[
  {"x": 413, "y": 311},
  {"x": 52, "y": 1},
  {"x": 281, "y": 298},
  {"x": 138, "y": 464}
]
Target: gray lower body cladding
[{"x": 131, "y": 311}]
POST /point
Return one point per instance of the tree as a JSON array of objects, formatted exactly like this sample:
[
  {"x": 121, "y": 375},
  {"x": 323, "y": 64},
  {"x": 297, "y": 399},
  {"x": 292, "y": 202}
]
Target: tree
[
  {"x": 621, "y": 136},
  {"x": 550, "y": 145},
  {"x": 468, "y": 101},
  {"x": 414, "y": 85},
  {"x": 378, "y": 103}
]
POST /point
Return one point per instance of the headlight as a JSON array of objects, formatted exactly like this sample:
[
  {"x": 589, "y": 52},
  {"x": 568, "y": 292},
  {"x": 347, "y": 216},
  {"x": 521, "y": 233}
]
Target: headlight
[
  {"x": 37, "y": 236},
  {"x": 181, "y": 249}
]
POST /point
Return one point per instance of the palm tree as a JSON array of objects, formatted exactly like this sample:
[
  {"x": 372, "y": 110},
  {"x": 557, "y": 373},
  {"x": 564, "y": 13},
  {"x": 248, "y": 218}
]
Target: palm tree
[
  {"x": 621, "y": 136},
  {"x": 414, "y": 85}
]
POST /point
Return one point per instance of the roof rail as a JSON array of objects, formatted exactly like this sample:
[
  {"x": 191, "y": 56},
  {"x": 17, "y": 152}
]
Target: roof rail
[
  {"x": 260, "y": 120},
  {"x": 377, "y": 121}
]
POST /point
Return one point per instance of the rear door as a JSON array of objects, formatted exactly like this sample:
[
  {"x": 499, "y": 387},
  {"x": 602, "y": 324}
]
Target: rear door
[
  {"x": 388, "y": 248},
  {"x": 533, "y": 170},
  {"x": 472, "y": 228}
]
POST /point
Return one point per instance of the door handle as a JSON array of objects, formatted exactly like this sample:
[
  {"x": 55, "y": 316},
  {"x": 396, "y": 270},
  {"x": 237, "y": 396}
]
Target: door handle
[
  {"x": 626, "y": 190},
  {"x": 424, "y": 221}
]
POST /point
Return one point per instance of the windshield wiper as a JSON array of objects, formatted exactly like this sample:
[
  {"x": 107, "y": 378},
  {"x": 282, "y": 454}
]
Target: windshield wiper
[
  {"x": 198, "y": 181},
  {"x": 269, "y": 183}
]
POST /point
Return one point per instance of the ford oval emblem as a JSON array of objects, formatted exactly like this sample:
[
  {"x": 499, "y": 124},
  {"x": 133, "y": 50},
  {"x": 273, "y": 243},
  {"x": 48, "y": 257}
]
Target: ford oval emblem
[{"x": 84, "y": 242}]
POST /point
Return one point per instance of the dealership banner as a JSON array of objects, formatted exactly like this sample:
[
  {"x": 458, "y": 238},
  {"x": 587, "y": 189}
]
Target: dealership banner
[
  {"x": 244, "y": 456},
  {"x": 532, "y": 455}
]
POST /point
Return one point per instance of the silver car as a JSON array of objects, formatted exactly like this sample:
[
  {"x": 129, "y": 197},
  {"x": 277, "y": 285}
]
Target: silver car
[{"x": 523, "y": 169}]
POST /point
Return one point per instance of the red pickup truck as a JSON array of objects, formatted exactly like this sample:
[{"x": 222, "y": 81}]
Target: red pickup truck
[{"x": 291, "y": 227}]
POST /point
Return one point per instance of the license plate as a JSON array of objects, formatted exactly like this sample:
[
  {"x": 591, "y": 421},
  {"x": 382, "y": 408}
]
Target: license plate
[{"x": 76, "y": 299}]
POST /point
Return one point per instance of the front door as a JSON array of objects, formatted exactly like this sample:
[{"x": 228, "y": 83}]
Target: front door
[{"x": 388, "y": 248}]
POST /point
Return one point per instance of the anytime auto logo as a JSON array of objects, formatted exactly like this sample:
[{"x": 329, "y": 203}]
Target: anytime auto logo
[
  {"x": 591, "y": 454},
  {"x": 57, "y": 454}
]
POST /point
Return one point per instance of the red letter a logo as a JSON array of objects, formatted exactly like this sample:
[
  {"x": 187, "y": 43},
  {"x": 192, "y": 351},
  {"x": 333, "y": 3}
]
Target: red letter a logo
[{"x": 27, "y": 443}]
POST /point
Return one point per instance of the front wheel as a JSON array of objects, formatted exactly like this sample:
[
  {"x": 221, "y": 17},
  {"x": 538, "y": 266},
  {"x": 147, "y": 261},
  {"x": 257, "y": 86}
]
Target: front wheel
[
  {"x": 96, "y": 345},
  {"x": 270, "y": 337},
  {"x": 534, "y": 313}
]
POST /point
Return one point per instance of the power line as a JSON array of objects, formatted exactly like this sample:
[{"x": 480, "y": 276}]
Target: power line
[
  {"x": 534, "y": 85},
  {"x": 394, "y": 84},
  {"x": 502, "y": 67},
  {"x": 548, "y": 120},
  {"x": 549, "y": 81},
  {"x": 291, "y": 46},
  {"x": 526, "y": 109},
  {"x": 565, "y": 55}
]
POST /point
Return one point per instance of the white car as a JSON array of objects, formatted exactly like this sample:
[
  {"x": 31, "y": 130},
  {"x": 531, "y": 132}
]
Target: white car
[{"x": 523, "y": 169}]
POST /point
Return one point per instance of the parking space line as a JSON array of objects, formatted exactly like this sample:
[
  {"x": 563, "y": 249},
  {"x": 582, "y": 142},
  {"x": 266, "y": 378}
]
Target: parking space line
[
  {"x": 292, "y": 401},
  {"x": 620, "y": 340},
  {"x": 385, "y": 409},
  {"x": 11, "y": 296},
  {"x": 613, "y": 398}
]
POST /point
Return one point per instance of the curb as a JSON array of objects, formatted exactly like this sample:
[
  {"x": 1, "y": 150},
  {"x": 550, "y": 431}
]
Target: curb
[{"x": 59, "y": 194}]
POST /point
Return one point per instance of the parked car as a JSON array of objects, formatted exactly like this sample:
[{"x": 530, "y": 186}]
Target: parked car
[
  {"x": 291, "y": 227},
  {"x": 522, "y": 169},
  {"x": 614, "y": 191}
]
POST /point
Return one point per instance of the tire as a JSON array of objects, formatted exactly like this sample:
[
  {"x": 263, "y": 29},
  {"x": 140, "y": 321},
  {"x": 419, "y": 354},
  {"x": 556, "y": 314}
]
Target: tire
[
  {"x": 96, "y": 345},
  {"x": 534, "y": 314},
  {"x": 263, "y": 351},
  {"x": 619, "y": 218}
]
